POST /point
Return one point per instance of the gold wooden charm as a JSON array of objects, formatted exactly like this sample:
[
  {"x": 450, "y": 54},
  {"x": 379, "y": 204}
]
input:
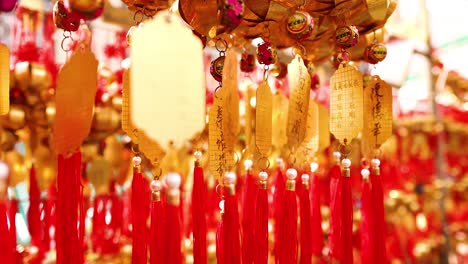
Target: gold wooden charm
[
  {"x": 263, "y": 118},
  {"x": 324, "y": 127},
  {"x": 221, "y": 157},
  {"x": 280, "y": 120},
  {"x": 74, "y": 100},
  {"x": 346, "y": 103},
  {"x": 4, "y": 79},
  {"x": 377, "y": 9},
  {"x": 167, "y": 79},
  {"x": 230, "y": 85},
  {"x": 150, "y": 148},
  {"x": 311, "y": 140},
  {"x": 299, "y": 83},
  {"x": 377, "y": 112}
]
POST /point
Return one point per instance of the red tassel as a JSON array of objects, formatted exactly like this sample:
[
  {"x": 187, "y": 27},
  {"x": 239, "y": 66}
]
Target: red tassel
[
  {"x": 367, "y": 245},
  {"x": 334, "y": 236},
  {"x": 305, "y": 224},
  {"x": 139, "y": 215},
  {"x": 199, "y": 214},
  {"x": 34, "y": 217},
  {"x": 8, "y": 233},
  {"x": 378, "y": 213},
  {"x": 278, "y": 193},
  {"x": 69, "y": 239},
  {"x": 317, "y": 231},
  {"x": 347, "y": 215},
  {"x": 105, "y": 232},
  {"x": 248, "y": 213},
  {"x": 220, "y": 240},
  {"x": 157, "y": 233},
  {"x": 173, "y": 237},
  {"x": 260, "y": 244},
  {"x": 288, "y": 222},
  {"x": 231, "y": 225}
]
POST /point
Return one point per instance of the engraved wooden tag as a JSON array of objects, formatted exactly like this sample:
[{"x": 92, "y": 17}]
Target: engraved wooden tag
[
  {"x": 150, "y": 148},
  {"x": 74, "y": 101},
  {"x": 4, "y": 79},
  {"x": 263, "y": 124},
  {"x": 280, "y": 120},
  {"x": 221, "y": 158},
  {"x": 377, "y": 9},
  {"x": 377, "y": 112},
  {"x": 230, "y": 84},
  {"x": 299, "y": 83},
  {"x": 324, "y": 127},
  {"x": 311, "y": 140},
  {"x": 346, "y": 103},
  {"x": 167, "y": 79}
]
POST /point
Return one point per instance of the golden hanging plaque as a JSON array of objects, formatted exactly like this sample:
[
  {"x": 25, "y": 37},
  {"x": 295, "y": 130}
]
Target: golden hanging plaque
[
  {"x": 4, "y": 79},
  {"x": 324, "y": 127},
  {"x": 346, "y": 103},
  {"x": 263, "y": 124},
  {"x": 150, "y": 148},
  {"x": 230, "y": 84},
  {"x": 168, "y": 85},
  {"x": 311, "y": 140},
  {"x": 74, "y": 100},
  {"x": 221, "y": 157},
  {"x": 299, "y": 83},
  {"x": 280, "y": 120},
  {"x": 377, "y": 112},
  {"x": 377, "y": 9}
]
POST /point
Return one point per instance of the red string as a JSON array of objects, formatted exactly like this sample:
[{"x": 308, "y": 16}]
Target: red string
[
  {"x": 279, "y": 187},
  {"x": 139, "y": 216},
  {"x": 34, "y": 218},
  {"x": 288, "y": 229},
  {"x": 69, "y": 206},
  {"x": 261, "y": 228},
  {"x": 335, "y": 242},
  {"x": 248, "y": 213},
  {"x": 199, "y": 216},
  {"x": 231, "y": 243},
  {"x": 305, "y": 227},
  {"x": 173, "y": 235},
  {"x": 367, "y": 246},
  {"x": 347, "y": 221},
  {"x": 378, "y": 214},
  {"x": 317, "y": 231},
  {"x": 157, "y": 233}
]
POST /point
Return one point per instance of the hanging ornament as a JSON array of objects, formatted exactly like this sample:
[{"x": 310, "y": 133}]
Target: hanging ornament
[
  {"x": 288, "y": 221},
  {"x": 247, "y": 63},
  {"x": 7, "y": 5},
  {"x": 86, "y": 9},
  {"x": 64, "y": 19},
  {"x": 375, "y": 53},
  {"x": 231, "y": 14},
  {"x": 199, "y": 211},
  {"x": 300, "y": 25},
  {"x": 4, "y": 79},
  {"x": 216, "y": 68},
  {"x": 230, "y": 85},
  {"x": 156, "y": 243},
  {"x": 263, "y": 122},
  {"x": 311, "y": 137},
  {"x": 231, "y": 229},
  {"x": 280, "y": 120},
  {"x": 260, "y": 248},
  {"x": 266, "y": 54},
  {"x": 346, "y": 36},
  {"x": 173, "y": 225}
]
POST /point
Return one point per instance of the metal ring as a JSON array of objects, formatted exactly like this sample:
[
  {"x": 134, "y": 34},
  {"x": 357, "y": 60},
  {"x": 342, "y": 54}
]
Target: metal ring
[
  {"x": 218, "y": 46},
  {"x": 267, "y": 163},
  {"x": 67, "y": 34},
  {"x": 216, "y": 91},
  {"x": 219, "y": 191},
  {"x": 135, "y": 148},
  {"x": 142, "y": 15},
  {"x": 157, "y": 172},
  {"x": 62, "y": 44}
]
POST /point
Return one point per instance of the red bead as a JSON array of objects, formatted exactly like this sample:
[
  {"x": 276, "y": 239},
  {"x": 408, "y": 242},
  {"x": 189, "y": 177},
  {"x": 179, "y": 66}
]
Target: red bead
[
  {"x": 216, "y": 68},
  {"x": 346, "y": 36},
  {"x": 247, "y": 63},
  {"x": 64, "y": 19},
  {"x": 375, "y": 53},
  {"x": 7, "y": 5},
  {"x": 266, "y": 54}
]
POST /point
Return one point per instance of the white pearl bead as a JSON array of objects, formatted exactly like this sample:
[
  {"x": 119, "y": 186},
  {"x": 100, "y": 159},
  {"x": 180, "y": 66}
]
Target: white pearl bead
[
  {"x": 155, "y": 186},
  {"x": 375, "y": 162},
  {"x": 198, "y": 155},
  {"x": 263, "y": 175},
  {"x": 4, "y": 170},
  {"x": 346, "y": 163},
  {"x": 248, "y": 164},
  {"x": 365, "y": 173},
  {"x": 137, "y": 160},
  {"x": 305, "y": 177},
  {"x": 291, "y": 173},
  {"x": 173, "y": 180},
  {"x": 221, "y": 205},
  {"x": 229, "y": 178},
  {"x": 314, "y": 166},
  {"x": 337, "y": 155}
]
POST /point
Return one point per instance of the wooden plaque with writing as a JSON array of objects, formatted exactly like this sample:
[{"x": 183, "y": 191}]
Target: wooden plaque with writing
[{"x": 263, "y": 118}]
